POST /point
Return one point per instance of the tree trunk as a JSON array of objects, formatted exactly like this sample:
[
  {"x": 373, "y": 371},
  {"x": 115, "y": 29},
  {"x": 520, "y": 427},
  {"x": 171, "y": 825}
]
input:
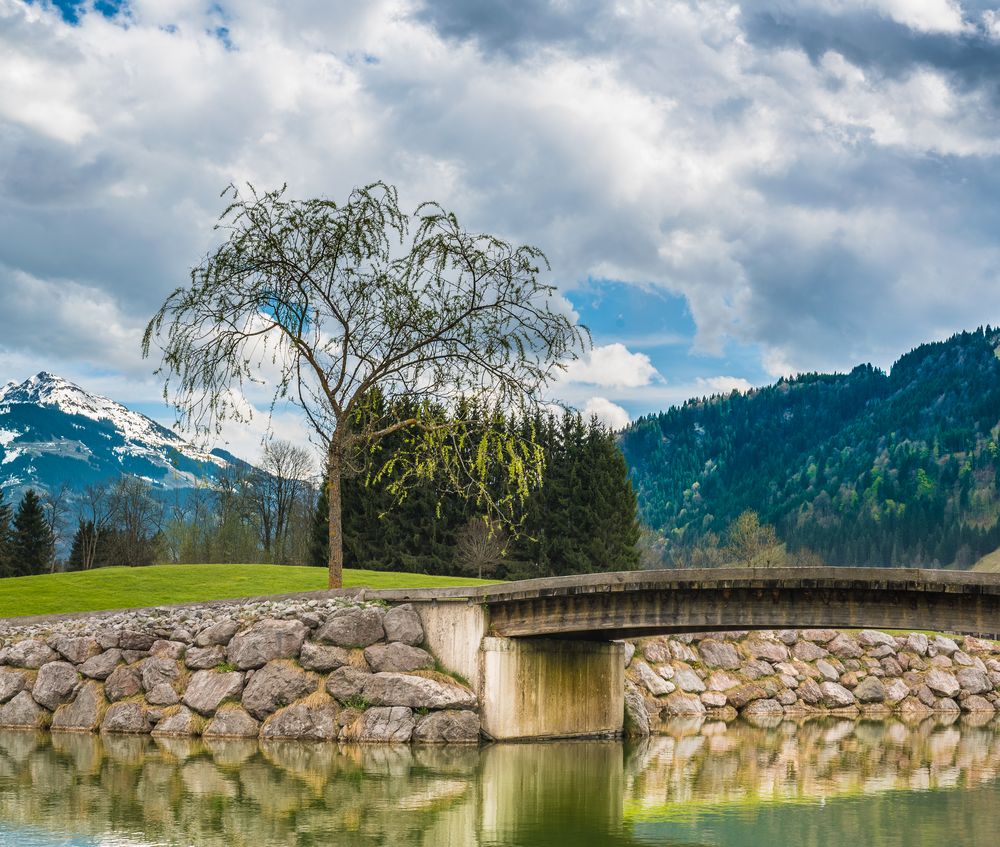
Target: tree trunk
[{"x": 336, "y": 519}]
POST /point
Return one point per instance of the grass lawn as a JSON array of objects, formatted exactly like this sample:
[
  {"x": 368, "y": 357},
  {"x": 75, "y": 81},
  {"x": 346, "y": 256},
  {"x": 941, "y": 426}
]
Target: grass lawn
[{"x": 123, "y": 588}]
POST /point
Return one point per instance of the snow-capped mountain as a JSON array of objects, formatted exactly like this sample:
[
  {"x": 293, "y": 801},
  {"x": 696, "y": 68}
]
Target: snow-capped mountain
[{"x": 53, "y": 432}]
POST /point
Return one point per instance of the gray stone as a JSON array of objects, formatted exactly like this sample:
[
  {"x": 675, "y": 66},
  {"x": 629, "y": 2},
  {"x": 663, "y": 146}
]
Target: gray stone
[
  {"x": 973, "y": 680},
  {"x": 787, "y": 698},
  {"x": 453, "y": 727},
  {"x": 54, "y": 684},
  {"x": 870, "y": 690},
  {"x": 959, "y": 657},
  {"x": 397, "y": 657},
  {"x": 719, "y": 654},
  {"x": 891, "y": 667},
  {"x": 819, "y": 636},
  {"x": 629, "y": 652},
  {"x": 896, "y": 691},
  {"x": 203, "y": 658},
  {"x": 135, "y": 640},
  {"x": 687, "y": 680},
  {"x": 656, "y": 650},
  {"x": 164, "y": 649},
  {"x": 323, "y": 657},
  {"x": 945, "y": 646},
  {"x": 974, "y": 645},
  {"x": 721, "y": 681},
  {"x": 946, "y": 704},
  {"x": 22, "y": 712},
  {"x": 162, "y": 694},
  {"x": 788, "y": 636},
  {"x": 874, "y": 638},
  {"x": 714, "y": 699},
  {"x": 766, "y": 707},
  {"x": 346, "y": 683},
  {"x": 845, "y": 647},
  {"x": 303, "y": 722},
  {"x": 127, "y": 718},
  {"x": 416, "y": 692},
  {"x": 975, "y": 703},
  {"x": 217, "y": 635},
  {"x": 757, "y": 668},
  {"x": 106, "y": 638},
  {"x": 156, "y": 671},
  {"x": 275, "y": 685},
  {"x": 354, "y": 627},
  {"x": 231, "y": 722},
  {"x": 679, "y": 703},
  {"x": 743, "y": 694},
  {"x": 75, "y": 650},
  {"x": 636, "y": 716},
  {"x": 828, "y": 671},
  {"x": 941, "y": 682},
  {"x": 835, "y": 696},
  {"x": 917, "y": 643},
  {"x": 266, "y": 641},
  {"x": 681, "y": 650},
  {"x": 926, "y": 696},
  {"x": 11, "y": 683},
  {"x": 402, "y": 624},
  {"x": 772, "y": 651},
  {"x": 30, "y": 653},
  {"x": 651, "y": 681},
  {"x": 85, "y": 712},
  {"x": 391, "y": 724},
  {"x": 101, "y": 665},
  {"x": 183, "y": 722},
  {"x": 124, "y": 681},
  {"x": 207, "y": 690},
  {"x": 807, "y": 651},
  {"x": 881, "y": 651}
]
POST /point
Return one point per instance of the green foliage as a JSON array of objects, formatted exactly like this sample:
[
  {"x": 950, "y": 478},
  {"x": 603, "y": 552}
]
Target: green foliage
[
  {"x": 6, "y": 538},
  {"x": 357, "y": 702},
  {"x": 865, "y": 468},
  {"x": 32, "y": 545}
]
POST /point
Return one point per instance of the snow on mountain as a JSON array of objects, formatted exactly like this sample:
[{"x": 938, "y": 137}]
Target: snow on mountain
[{"x": 54, "y": 432}]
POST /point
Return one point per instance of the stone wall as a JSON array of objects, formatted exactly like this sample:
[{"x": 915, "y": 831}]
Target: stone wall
[
  {"x": 811, "y": 671},
  {"x": 301, "y": 669}
]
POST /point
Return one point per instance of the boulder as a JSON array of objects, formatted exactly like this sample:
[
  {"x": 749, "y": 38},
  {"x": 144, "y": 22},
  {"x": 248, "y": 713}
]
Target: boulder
[
  {"x": 947, "y": 705},
  {"x": 359, "y": 626},
  {"x": 652, "y": 681},
  {"x": 766, "y": 707},
  {"x": 787, "y": 698},
  {"x": 183, "y": 722},
  {"x": 719, "y": 654},
  {"x": 54, "y": 684},
  {"x": 397, "y": 657},
  {"x": 657, "y": 651},
  {"x": 416, "y": 692},
  {"x": 156, "y": 671},
  {"x": 11, "y": 683},
  {"x": 164, "y": 649},
  {"x": 133, "y": 640},
  {"x": 891, "y": 667},
  {"x": 944, "y": 645},
  {"x": 788, "y": 636},
  {"x": 972, "y": 680},
  {"x": 22, "y": 712},
  {"x": 714, "y": 699},
  {"x": 265, "y": 641},
  {"x": 346, "y": 683},
  {"x": 680, "y": 703},
  {"x": 75, "y": 650},
  {"x": 819, "y": 636},
  {"x": 870, "y": 690},
  {"x": 402, "y": 624},
  {"x": 874, "y": 638},
  {"x": 771, "y": 651},
  {"x": 30, "y": 653},
  {"x": 203, "y": 658},
  {"x": 217, "y": 634},
  {"x": 845, "y": 647},
  {"x": 896, "y": 691},
  {"x": 636, "y": 716},
  {"x": 757, "y": 668},
  {"x": 743, "y": 694},
  {"x": 303, "y": 721},
  {"x": 960, "y": 657},
  {"x": 721, "y": 681},
  {"x": 456, "y": 727},
  {"x": 687, "y": 680},
  {"x": 829, "y": 672},
  {"x": 124, "y": 681},
  {"x": 275, "y": 685},
  {"x": 386, "y": 724},
  {"x": 231, "y": 722},
  {"x": 323, "y": 657},
  {"x": 917, "y": 643},
  {"x": 913, "y": 709},
  {"x": 207, "y": 690},
  {"x": 975, "y": 703},
  {"x": 127, "y": 718},
  {"x": 84, "y": 714},
  {"x": 808, "y": 651},
  {"x": 974, "y": 646},
  {"x": 162, "y": 694},
  {"x": 101, "y": 665},
  {"x": 835, "y": 696},
  {"x": 942, "y": 682}
]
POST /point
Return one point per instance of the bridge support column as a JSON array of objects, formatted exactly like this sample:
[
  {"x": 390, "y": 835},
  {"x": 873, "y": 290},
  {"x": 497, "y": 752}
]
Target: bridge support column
[{"x": 548, "y": 688}]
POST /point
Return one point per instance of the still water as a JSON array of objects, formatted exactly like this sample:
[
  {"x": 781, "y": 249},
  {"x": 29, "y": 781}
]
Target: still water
[{"x": 831, "y": 782}]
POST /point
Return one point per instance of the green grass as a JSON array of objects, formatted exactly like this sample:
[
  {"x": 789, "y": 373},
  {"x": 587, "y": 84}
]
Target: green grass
[{"x": 124, "y": 588}]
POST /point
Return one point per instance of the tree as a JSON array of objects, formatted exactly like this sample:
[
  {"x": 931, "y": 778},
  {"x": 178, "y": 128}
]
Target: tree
[
  {"x": 480, "y": 547},
  {"x": 55, "y": 502},
  {"x": 280, "y": 483},
  {"x": 137, "y": 518},
  {"x": 6, "y": 538},
  {"x": 752, "y": 544},
  {"x": 374, "y": 322},
  {"x": 33, "y": 545}
]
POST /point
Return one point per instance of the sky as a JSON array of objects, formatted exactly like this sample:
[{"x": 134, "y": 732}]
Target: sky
[{"x": 726, "y": 193}]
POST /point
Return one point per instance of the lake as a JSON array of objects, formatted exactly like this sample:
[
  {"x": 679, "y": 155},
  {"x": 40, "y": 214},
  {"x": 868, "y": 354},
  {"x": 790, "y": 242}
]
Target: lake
[{"x": 801, "y": 783}]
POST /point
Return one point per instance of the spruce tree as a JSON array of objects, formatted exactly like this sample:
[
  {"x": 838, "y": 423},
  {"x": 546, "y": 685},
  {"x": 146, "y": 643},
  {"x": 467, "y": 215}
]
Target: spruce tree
[
  {"x": 33, "y": 545},
  {"x": 6, "y": 538}
]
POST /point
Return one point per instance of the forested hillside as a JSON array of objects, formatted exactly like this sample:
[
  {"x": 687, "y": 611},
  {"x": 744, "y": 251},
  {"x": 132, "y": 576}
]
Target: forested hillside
[{"x": 865, "y": 468}]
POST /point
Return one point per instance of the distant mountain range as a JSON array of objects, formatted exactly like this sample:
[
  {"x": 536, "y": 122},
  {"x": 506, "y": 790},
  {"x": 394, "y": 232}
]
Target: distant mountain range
[
  {"x": 864, "y": 468},
  {"x": 53, "y": 432}
]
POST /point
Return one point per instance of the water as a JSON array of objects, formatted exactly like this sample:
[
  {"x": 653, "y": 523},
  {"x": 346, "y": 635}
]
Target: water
[{"x": 830, "y": 782}]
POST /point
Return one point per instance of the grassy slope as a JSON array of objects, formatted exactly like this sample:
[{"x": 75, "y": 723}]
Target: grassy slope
[
  {"x": 122, "y": 588},
  {"x": 990, "y": 563}
]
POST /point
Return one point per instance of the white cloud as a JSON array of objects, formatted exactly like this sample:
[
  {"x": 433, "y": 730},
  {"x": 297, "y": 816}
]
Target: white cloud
[
  {"x": 723, "y": 384},
  {"x": 612, "y": 366},
  {"x": 608, "y": 413}
]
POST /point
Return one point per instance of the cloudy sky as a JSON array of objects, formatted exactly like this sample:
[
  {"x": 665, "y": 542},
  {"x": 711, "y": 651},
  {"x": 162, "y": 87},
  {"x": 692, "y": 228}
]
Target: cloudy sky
[{"x": 727, "y": 193}]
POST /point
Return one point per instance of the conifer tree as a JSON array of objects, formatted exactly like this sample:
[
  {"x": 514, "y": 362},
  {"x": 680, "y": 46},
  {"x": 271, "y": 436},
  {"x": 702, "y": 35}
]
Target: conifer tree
[
  {"x": 6, "y": 538},
  {"x": 33, "y": 545}
]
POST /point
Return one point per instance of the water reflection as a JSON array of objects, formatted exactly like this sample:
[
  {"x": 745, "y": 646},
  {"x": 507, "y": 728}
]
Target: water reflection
[{"x": 807, "y": 783}]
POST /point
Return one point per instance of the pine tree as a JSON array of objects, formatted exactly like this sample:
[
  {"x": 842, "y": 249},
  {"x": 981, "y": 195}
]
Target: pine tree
[
  {"x": 33, "y": 545},
  {"x": 6, "y": 538}
]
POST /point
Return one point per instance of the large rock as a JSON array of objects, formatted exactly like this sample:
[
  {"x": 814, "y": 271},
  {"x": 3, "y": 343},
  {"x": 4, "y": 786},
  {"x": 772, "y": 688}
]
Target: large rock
[
  {"x": 156, "y": 671},
  {"x": 942, "y": 682},
  {"x": 231, "y": 722},
  {"x": 896, "y": 691},
  {"x": 11, "y": 683},
  {"x": 397, "y": 657},
  {"x": 75, "y": 650},
  {"x": 828, "y": 670},
  {"x": 217, "y": 634},
  {"x": 346, "y": 683},
  {"x": 131, "y": 639},
  {"x": 165, "y": 649},
  {"x": 387, "y": 724},
  {"x": 944, "y": 645},
  {"x": 303, "y": 721},
  {"x": 203, "y": 658},
  {"x": 323, "y": 657},
  {"x": 845, "y": 647},
  {"x": 771, "y": 651},
  {"x": 359, "y": 626},
  {"x": 636, "y": 716},
  {"x": 101, "y": 665},
  {"x": 874, "y": 638},
  {"x": 870, "y": 690},
  {"x": 275, "y": 685},
  {"x": 652, "y": 681},
  {"x": 819, "y": 636},
  {"x": 127, "y": 718},
  {"x": 30, "y": 653},
  {"x": 162, "y": 694},
  {"x": 183, "y": 722},
  {"x": 808, "y": 651},
  {"x": 715, "y": 699},
  {"x": 416, "y": 692},
  {"x": 721, "y": 681},
  {"x": 766, "y": 707},
  {"x": 84, "y": 714},
  {"x": 917, "y": 642},
  {"x": 741, "y": 695},
  {"x": 402, "y": 623},
  {"x": 687, "y": 680},
  {"x": 266, "y": 641},
  {"x": 835, "y": 696},
  {"x": 124, "y": 681},
  {"x": 976, "y": 646},
  {"x": 680, "y": 703},
  {"x": 809, "y": 692},
  {"x": 719, "y": 654},
  {"x": 972, "y": 680},
  {"x": 451, "y": 727},
  {"x": 54, "y": 684},
  {"x": 23, "y": 713},
  {"x": 977, "y": 704},
  {"x": 207, "y": 690}
]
